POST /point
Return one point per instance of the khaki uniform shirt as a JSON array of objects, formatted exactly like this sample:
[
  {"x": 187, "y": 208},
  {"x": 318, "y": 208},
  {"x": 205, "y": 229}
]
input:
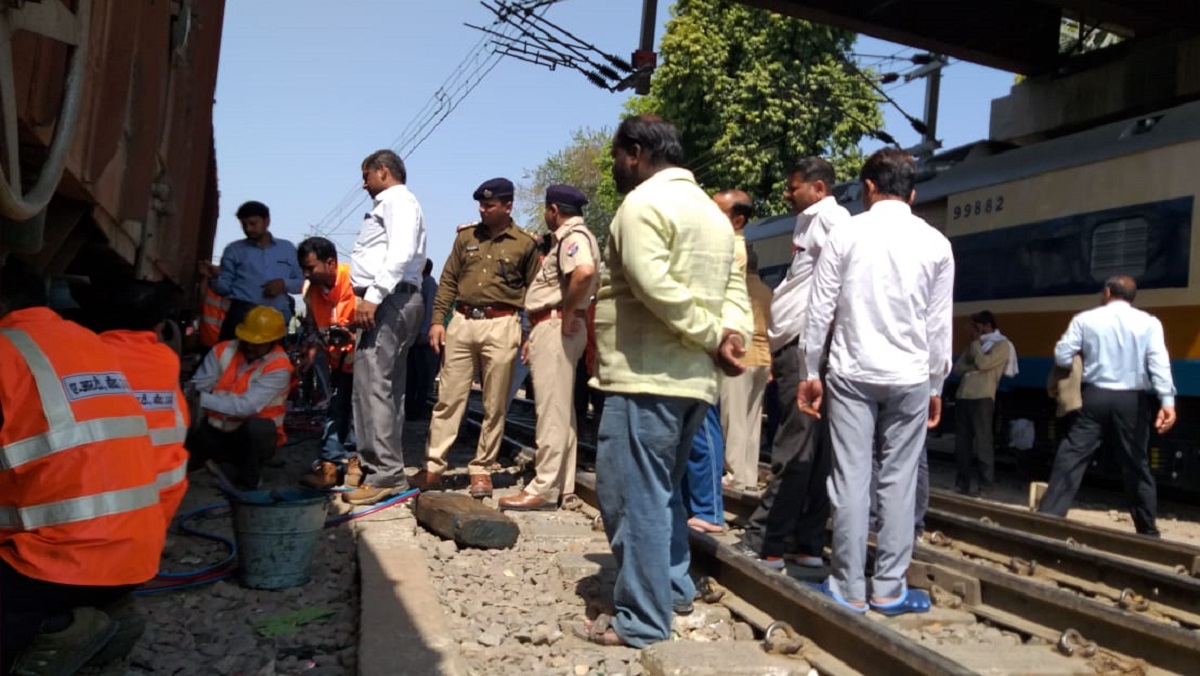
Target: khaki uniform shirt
[
  {"x": 573, "y": 245},
  {"x": 487, "y": 271},
  {"x": 739, "y": 251},
  {"x": 758, "y": 352}
]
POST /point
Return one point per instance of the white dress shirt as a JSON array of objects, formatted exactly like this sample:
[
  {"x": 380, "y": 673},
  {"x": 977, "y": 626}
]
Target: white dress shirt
[
  {"x": 258, "y": 393},
  {"x": 789, "y": 305},
  {"x": 889, "y": 278},
  {"x": 1122, "y": 348},
  {"x": 390, "y": 248}
]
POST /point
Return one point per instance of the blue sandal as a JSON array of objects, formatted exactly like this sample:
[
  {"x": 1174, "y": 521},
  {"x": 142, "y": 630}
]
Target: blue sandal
[
  {"x": 826, "y": 589},
  {"x": 910, "y": 601}
]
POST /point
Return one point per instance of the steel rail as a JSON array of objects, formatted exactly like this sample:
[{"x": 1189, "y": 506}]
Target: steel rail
[
  {"x": 1173, "y": 555},
  {"x": 854, "y": 640},
  {"x": 1168, "y": 590}
]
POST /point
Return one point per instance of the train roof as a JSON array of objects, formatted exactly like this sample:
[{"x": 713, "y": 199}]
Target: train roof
[{"x": 986, "y": 163}]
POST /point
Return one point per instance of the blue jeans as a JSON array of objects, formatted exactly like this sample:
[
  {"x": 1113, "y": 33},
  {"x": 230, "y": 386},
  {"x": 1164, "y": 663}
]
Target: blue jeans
[
  {"x": 706, "y": 464},
  {"x": 641, "y": 458},
  {"x": 338, "y": 432}
]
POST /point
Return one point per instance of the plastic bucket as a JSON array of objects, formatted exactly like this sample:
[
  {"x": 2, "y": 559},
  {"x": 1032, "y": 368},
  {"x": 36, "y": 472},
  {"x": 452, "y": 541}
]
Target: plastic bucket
[{"x": 277, "y": 534}]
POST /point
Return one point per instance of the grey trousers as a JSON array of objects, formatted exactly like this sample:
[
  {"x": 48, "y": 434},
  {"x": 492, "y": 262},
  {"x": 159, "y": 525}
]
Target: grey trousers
[
  {"x": 380, "y": 365},
  {"x": 869, "y": 422}
]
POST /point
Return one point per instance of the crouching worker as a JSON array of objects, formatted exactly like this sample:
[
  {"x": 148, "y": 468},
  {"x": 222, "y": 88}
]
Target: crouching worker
[
  {"x": 243, "y": 386},
  {"x": 80, "y": 522},
  {"x": 135, "y": 316}
]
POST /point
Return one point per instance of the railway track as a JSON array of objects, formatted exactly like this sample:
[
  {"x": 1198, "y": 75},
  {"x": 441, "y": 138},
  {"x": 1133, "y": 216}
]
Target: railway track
[{"x": 1125, "y": 604}]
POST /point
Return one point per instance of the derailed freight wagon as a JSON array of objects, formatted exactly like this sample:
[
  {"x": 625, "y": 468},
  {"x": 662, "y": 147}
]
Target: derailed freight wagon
[{"x": 107, "y": 147}]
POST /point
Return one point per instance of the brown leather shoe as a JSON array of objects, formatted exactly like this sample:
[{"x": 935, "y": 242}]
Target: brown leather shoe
[
  {"x": 354, "y": 473},
  {"x": 323, "y": 476},
  {"x": 525, "y": 502},
  {"x": 426, "y": 481},
  {"x": 481, "y": 486}
]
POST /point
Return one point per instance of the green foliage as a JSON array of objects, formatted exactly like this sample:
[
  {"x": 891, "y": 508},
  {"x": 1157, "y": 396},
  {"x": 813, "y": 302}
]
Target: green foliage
[
  {"x": 586, "y": 164},
  {"x": 752, "y": 91}
]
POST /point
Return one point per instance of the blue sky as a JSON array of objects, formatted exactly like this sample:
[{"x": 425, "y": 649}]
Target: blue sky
[{"x": 307, "y": 89}]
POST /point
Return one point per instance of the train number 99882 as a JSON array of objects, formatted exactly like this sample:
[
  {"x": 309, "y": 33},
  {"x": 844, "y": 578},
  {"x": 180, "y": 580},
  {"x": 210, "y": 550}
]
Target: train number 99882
[{"x": 978, "y": 208}]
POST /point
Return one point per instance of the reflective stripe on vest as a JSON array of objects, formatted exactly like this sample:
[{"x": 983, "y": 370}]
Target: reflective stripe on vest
[
  {"x": 175, "y": 434},
  {"x": 171, "y": 477},
  {"x": 79, "y": 509},
  {"x": 64, "y": 432},
  {"x": 212, "y": 316}
]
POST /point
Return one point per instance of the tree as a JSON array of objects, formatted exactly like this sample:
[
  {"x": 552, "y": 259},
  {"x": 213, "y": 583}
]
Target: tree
[
  {"x": 586, "y": 164},
  {"x": 752, "y": 91}
]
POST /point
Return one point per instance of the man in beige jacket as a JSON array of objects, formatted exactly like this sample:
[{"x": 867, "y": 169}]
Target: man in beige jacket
[{"x": 988, "y": 357}]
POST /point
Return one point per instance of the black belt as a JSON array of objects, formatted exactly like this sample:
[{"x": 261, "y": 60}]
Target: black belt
[
  {"x": 405, "y": 287},
  {"x": 795, "y": 342}
]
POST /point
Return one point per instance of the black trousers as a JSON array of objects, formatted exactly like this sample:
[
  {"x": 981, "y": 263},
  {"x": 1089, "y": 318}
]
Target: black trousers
[
  {"x": 29, "y": 607},
  {"x": 423, "y": 367},
  {"x": 795, "y": 505},
  {"x": 1124, "y": 417},
  {"x": 974, "y": 446},
  {"x": 241, "y": 452}
]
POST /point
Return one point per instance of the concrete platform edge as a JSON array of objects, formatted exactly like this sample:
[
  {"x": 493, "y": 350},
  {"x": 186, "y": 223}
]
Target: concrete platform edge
[{"x": 402, "y": 628}]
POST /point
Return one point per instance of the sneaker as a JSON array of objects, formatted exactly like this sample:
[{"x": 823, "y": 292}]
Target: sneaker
[
  {"x": 367, "y": 494},
  {"x": 772, "y": 562},
  {"x": 323, "y": 476},
  {"x": 66, "y": 651},
  {"x": 804, "y": 560},
  {"x": 354, "y": 473}
]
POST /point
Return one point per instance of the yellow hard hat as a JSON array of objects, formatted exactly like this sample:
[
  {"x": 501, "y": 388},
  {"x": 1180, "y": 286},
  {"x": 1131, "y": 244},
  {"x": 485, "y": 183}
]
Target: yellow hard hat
[{"x": 261, "y": 325}]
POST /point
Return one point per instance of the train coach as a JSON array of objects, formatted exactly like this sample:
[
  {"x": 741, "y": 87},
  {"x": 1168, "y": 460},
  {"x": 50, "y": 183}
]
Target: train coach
[{"x": 1037, "y": 229}]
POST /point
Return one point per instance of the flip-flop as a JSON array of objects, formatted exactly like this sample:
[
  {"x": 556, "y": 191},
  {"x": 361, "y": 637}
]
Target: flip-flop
[
  {"x": 827, "y": 589},
  {"x": 910, "y": 601},
  {"x": 600, "y": 632}
]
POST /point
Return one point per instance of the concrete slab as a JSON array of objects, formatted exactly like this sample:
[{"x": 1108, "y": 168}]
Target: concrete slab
[
  {"x": 554, "y": 530},
  {"x": 997, "y": 660},
  {"x": 936, "y": 617},
  {"x": 401, "y": 618},
  {"x": 577, "y": 565},
  {"x": 727, "y": 658}
]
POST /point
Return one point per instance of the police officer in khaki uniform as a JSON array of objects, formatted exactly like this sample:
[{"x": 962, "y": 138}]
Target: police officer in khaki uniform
[
  {"x": 489, "y": 268},
  {"x": 556, "y": 305}
]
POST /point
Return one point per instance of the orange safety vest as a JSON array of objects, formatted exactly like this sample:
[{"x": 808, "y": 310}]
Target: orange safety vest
[
  {"x": 152, "y": 369},
  {"x": 235, "y": 380},
  {"x": 212, "y": 315},
  {"x": 78, "y": 481},
  {"x": 335, "y": 308}
]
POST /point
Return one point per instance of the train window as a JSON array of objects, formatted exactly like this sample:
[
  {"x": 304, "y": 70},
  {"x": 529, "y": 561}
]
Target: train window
[{"x": 1119, "y": 248}]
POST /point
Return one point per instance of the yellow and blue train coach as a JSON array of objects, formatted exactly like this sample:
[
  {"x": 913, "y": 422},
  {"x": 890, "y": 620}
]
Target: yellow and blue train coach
[{"x": 1037, "y": 229}]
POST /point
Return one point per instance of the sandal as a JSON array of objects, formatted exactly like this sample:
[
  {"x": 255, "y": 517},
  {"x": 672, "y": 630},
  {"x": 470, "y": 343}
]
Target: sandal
[
  {"x": 701, "y": 526},
  {"x": 828, "y": 590},
  {"x": 910, "y": 601},
  {"x": 600, "y": 632}
]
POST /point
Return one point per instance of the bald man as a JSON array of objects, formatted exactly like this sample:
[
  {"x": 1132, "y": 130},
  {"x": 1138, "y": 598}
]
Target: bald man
[{"x": 739, "y": 208}]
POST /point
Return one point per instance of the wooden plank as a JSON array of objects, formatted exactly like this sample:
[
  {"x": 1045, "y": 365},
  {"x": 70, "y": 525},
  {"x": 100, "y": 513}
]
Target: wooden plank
[{"x": 458, "y": 517}]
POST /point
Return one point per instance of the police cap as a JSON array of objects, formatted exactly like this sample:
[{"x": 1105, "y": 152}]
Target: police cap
[
  {"x": 566, "y": 195},
  {"x": 496, "y": 188}
]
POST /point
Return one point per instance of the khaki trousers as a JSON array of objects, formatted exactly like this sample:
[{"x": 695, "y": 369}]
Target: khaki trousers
[
  {"x": 552, "y": 360},
  {"x": 489, "y": 346},
  {"x": 741, "y": 421}
]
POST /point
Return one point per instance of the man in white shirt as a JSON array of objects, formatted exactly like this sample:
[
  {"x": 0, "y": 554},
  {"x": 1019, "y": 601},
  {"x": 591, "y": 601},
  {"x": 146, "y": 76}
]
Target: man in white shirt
[
  {"x": 885, "y": 283},
  {"x": 795, "y": 504},
  {"x": 385, "y": 270},
  {"x": 1124, "y": 355}
]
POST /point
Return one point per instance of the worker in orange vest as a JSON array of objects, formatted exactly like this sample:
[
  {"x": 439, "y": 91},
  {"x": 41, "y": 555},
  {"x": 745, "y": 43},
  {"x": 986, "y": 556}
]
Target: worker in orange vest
[
  {"x": 243, "y": 386},
  {"x": 80, "y": 523},
  {"x": 132, "y": 322},
  {"x": 331, "y": 305},
  {"x": 212, "y": 315}
]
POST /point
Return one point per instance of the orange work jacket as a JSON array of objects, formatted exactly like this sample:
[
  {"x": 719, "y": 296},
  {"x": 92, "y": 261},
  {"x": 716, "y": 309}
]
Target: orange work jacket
[
  {"x": 78, "y": 478},
  {"x": 152, "y": 369},
  {"x": 212, "y": 315},
  {"x": 235, "y": 380},
  {"x": 335, "y": 308}
]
